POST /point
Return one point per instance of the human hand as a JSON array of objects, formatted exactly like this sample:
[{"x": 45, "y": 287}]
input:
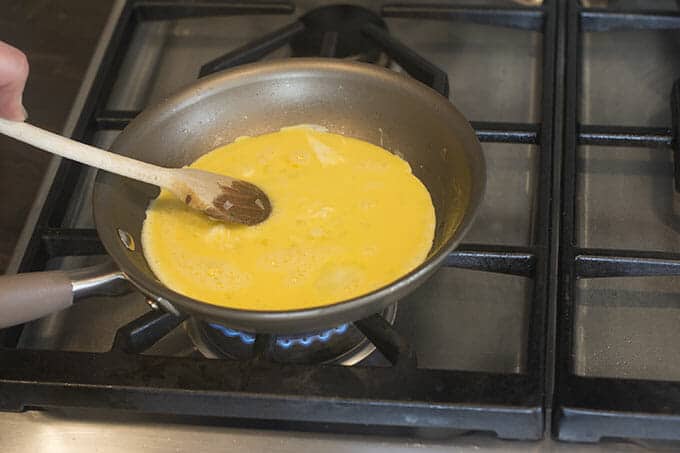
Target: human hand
[{"x": 13, "y": 75}]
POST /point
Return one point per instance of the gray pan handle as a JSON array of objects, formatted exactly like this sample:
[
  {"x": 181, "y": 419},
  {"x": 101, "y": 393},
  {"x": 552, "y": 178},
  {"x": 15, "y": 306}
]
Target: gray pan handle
[{"x": 29, "y": 296}]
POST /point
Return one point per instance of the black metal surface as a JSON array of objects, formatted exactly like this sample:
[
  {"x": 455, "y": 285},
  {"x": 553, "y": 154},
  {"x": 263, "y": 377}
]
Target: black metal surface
[
  {"x": 521, "y": 18},
  {"x": 511, "y": 405},
  {"x": 175, "y": 9},
  {"x": 494, "y": 132},
  {"x": 597, "y": 263},
  {"x": 503, "y": 260},
  {"x": 329, "y": 44},
  {"x": 142, "y": 333},
  {"x": 253, "y": 51},
  {"x": 587, "y": 409},
  {"x": 330, "y": 394},
  {"x": 675, "y": 122},
  {"x": 507, "y": 132},
  {"x": 262, "y": 348},
  {"x": 597, "y": 20},
  {"x": 388, "y": 341},
  {"x": 623, "y": 408},
  {"x": 647, "y": 137},
  {"x": 416, "y": 65},
  {"x": 337, "y": 28}
]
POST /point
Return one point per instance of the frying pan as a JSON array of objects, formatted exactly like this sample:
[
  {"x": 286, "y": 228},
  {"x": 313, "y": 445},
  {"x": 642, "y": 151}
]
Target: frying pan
[{"x": 354, "y": 99}]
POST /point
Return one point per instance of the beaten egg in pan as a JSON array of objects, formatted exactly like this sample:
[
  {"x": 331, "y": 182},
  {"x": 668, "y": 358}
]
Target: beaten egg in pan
[{"x": 348, "y": 217}]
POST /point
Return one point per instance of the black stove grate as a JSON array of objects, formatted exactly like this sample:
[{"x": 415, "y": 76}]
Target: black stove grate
[
  {"x": 590, "y": 408},
  {"x": 512, "y": 405}
]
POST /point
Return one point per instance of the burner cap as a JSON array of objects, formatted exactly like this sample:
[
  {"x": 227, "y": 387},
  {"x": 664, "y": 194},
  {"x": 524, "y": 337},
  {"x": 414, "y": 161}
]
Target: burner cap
[
  {"x": 344, "y": 344},
  {"x": 336, "y": 31}
]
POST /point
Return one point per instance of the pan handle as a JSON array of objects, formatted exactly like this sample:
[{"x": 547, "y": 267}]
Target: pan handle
[{"x": 25, "y": 297}]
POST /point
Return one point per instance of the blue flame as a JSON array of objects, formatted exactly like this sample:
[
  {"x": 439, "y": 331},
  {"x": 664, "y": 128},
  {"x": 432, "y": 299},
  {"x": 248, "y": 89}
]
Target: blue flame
[
  {"x": 285, "y": 342},
  {"x": 244, "y": 337}
]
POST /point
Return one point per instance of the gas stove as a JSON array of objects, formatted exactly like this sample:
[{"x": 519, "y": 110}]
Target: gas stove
[{"x": 554, "y": 320}]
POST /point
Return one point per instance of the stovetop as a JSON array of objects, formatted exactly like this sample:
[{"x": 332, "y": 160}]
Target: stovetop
[{"x": 554, "y": 318}]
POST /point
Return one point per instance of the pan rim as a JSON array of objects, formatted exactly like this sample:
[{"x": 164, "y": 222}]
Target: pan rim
[{"x": 283, "y": 321}]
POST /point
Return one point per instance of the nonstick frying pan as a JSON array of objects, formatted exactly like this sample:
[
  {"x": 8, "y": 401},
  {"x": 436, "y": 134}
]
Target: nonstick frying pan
[{"x": 353, "y": 99}]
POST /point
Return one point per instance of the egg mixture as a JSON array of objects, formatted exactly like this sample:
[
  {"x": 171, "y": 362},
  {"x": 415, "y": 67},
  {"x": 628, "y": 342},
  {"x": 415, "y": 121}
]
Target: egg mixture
[{"x": 348, "y": 217}]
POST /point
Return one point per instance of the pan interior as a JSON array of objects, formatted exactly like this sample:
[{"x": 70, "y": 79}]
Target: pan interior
[{"x": 350, "y": 99}]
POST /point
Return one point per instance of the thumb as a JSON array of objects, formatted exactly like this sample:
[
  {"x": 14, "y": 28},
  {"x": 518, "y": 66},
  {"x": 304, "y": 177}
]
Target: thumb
[{"x": 13, "y": 75}]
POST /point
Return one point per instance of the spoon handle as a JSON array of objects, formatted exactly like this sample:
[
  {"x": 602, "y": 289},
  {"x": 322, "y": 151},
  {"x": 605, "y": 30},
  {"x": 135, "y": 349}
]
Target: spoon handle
[{"x": 86, "y": 154}]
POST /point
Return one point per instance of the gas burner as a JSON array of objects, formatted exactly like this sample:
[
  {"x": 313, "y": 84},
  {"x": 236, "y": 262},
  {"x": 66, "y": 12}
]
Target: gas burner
[
  {"x": 336, "y": 31},
  {"x": 344, "y": 344}
]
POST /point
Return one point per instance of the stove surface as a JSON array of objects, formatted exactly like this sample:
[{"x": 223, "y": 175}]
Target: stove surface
[
  {"x": 499, "y": 65},
  {"x": 521, "y": 296}
]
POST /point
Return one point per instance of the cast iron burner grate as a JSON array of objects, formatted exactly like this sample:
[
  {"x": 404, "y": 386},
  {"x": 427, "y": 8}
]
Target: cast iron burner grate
[
  {"x": 588, "y": 408},
  {"x": 337, "y": 31},
  {"x": 402, "y": 396}
]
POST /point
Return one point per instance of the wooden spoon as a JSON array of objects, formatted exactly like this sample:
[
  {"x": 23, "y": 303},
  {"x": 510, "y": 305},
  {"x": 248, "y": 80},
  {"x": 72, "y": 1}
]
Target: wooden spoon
[{"x": 220, "y": 197}]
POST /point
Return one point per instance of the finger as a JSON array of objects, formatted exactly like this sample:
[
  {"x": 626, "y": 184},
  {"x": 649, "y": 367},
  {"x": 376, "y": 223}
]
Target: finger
[{"x": 13, "y": 75}]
